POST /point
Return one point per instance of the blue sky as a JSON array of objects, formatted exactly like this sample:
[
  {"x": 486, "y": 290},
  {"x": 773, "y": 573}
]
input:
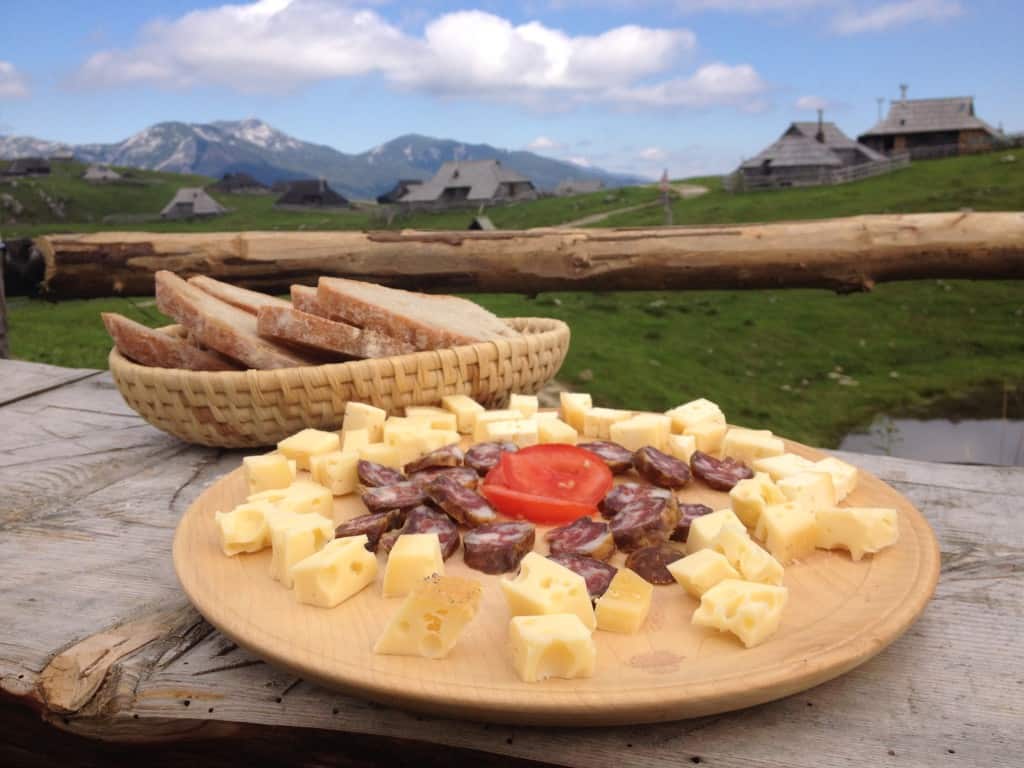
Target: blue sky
[{"x": 691, "y": 85}]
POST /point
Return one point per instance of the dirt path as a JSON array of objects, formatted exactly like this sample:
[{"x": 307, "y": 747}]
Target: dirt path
[{"x": 685, "y": 192}]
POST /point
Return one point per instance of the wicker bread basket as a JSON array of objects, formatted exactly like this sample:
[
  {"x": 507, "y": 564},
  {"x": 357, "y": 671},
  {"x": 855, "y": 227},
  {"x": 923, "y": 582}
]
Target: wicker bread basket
[{"x": 246, "y": 409}]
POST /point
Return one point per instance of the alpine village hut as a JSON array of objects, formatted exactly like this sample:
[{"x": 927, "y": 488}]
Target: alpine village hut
[
  {"x": 239, "y": 184},
  {"x": 192, "y": 203},
  {"x": 310, "y": 193},
  {"x": 931, "y": 128},
  {"x": 397, "y": 192},
  {"x": 470, "y": 183},
  {"x": 97, "y": 174},
  {"x": 27, "y": 166}
]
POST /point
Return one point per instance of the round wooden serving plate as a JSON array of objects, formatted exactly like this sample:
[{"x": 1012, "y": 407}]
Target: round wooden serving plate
[{"x": 840, "y": 614}]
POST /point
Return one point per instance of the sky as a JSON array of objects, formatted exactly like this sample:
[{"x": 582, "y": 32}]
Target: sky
[{"x": 691, "y": 86}]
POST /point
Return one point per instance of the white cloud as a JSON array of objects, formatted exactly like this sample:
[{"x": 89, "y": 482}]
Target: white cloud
[
  {"x": 543, "y": 143},
  {"x": 894, "y": 14},
  {"x": 580, "y": 161},
  {"x": 652, "y": 153},
  {"x": 749, "y": 6},
  {"x": 712, "y": 84},
  {"x": 12, "y": 83},
  {"x": 812, "y": 103}
]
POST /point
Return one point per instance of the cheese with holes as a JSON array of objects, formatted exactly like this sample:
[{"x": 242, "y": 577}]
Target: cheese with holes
[
  {"x": 465, "y": 409},
  {"x": 267, "y": 472},
  {"x": 355, "y": 439},
  {"x": 527, "y": 405},
  {"x": 844, "y": 476},
  {"x": 625, "y": 604},
  {"x": 778, "y": 467},
  {"x": 302, "y": 497},
  {"x": 555, "y": 431},
  {"x": 744, "y": 554},
  {"x": 244, "y": 528},
  {"x": 688, "y": 415},
  {"x": 435, "y": 418},
  {"x": 308, "y": 442},
  {"x": 572, "y": 406},
  {"x": 543, "y": 586},
  {"x": 293, "y": 538},
  {"x": 699, "y": 572},
  {"x": 382, "y": 453},
  {"x": 430, "y": 620},
  {"x": 363, "y": 416},
  {"x": 789, "y": 531},
  {"x": 749, "y": 445},
  {"x": 749, "y": 498},
  {"x": 414, "y": 557},
  {"x": 556, "y": 645},
  {"x": 336, "y": 471},
  {"x": 597, "y": 422},
  {"x": 750, "y": 611},
  {"x": 485, "y": 418},
  {"x": 708, "y": 435},
  {"x": 681, "y": 446},
  {"x": 331, "y": 576},
  {"x": 641, "y": 430},
  {"x": 859, "y": 530},
  {"x": 811, "y": 490},
  {"x": 704, "y": 528}
]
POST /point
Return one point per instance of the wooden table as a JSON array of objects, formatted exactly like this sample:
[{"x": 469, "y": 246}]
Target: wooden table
[{"x": 102, "y": 659}]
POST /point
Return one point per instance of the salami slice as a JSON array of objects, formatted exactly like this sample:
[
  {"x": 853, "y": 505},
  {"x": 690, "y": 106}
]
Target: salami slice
[
  {"x": 644, "y": 522},
  {"x": 687, "y": 514},
  {"x": 464, "y": 476},
  {"x": 597, "y": 574},
  {"x": 498, "y": 547},
  {"x": 483, "y": 457},
  {"x": 397, "y": 496},
  {"x": 649, "y": 563},
  {"x": 462, "y": 504},
  {"x": 617, "y": 458},
  {"x": 585, "y": 536},
  {"x": 374, "y": 475},
  {"x": 720, "y": 474},
  {"x": 624, "y": 493},
  {"x": 448, "y": 456},
  {"x": 373, "y": 525},
  {"x": 660, "y": 468},
  {"x": 423, "y": 519}
]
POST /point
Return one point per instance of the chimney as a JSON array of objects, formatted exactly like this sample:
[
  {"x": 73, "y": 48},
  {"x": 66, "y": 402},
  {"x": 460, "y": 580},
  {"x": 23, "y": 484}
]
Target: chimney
[
  {"x": 820, "y": 135},
  {"x": 903, "y": 91}
]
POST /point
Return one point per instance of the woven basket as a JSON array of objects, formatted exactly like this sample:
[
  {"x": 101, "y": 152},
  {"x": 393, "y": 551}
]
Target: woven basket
[{"x": 246, "y": 409}]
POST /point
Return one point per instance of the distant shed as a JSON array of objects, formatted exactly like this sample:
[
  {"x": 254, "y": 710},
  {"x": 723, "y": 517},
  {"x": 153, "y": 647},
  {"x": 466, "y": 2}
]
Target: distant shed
[
  {"x": 239, "y": 184},
  {"x": 311, "y": 193},
  {"x": 192, "y": 202},
  {"x": 397, "y": 192},
  {"x": 931, "y": 128},
  {"x": 27, "y": 166},
  {"x": 470, "y": 183}
]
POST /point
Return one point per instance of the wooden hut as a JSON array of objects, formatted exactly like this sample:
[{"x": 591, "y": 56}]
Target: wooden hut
[
  {"x": 239, "y": 184},
  {"x": 931, "y": 128},
  {"x": 469, "y": 184},
  {"x": 311, "y": 193},
  {"x": 27, "y": 166},
  {"x": 191, "y": 203}
]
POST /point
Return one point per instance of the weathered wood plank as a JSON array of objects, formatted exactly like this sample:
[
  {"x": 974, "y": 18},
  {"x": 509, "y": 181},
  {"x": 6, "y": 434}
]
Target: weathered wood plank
[{"x": 20, "y": 379}]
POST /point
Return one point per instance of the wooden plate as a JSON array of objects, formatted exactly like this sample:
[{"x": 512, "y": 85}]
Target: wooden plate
[{"x": 840, "y": 614}]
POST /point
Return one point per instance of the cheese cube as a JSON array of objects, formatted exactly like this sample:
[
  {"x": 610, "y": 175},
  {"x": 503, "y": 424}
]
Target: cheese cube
[
  {"x": 436, "y": 418},
  {"x": 482, "y": 419},
  {"x": 244, "y": 529},
  {"x": 354, "y": 439},
  {"x": 408, "y": 446},
  {"x": 382, "y": 453},
  {"x": 547, "y": 416},
  {"x": 688, "y": 415},
  {"x": 749, "y": 497},
  {"x": 527, "y": 405},
  {"x": 844, "y": 476},
  {"x": 544, "y": 587},
  {"x": 335, "y": 573},
  {"x": 747, "y": 557},
  {"x": 597, "y": 422},
  {"x": 750, "y": 611},
  {"x": 699, "y": 572},
  {"x": 625, "y": 604},
  {"x": 859, "y": 530},
  {"x": 363, "y": 416},
  {"x": 336, "y": 471},
  {"x": 641, "y": 430},
  {"x": 789, "y": 531},
  {"x": 414, "y": 557},
  {"x": 557, "y": 645},
  {"x": 433, "y": 439},
  {"x": 748, "y": 445},
  {"x": 302, "y": 497},
  {"x": 704, "y": 528},
  {"x": 267, "y": 472},
  {"x": 294, "y": 538},
  {"x": 708, "y": 435},
  {"x": 430, "y": 620},
  {"x": 465, "y": 409},
  {"x": 812, "y": 490},
  {"x": 681, "y": 446},
  {"x": 786, "y": 465},
  {"x": 555, "y": 431},
  {"x": 308, "y": 442},
  {"x": 572, "y": 406},
  {"x": 399, "y": 426},
  {"x": 523, "y": 433}
]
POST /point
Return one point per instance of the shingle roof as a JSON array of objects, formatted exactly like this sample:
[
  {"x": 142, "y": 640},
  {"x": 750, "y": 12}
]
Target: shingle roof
[
  {"x": 794, "y": 149},
  {"x": 202, "y": 204},
  {"x": 311, "y": 192},
  {"x": 927, "y": 115},
  {"x": 481, "y": 176},
  {"x": 241, "y": 180}
]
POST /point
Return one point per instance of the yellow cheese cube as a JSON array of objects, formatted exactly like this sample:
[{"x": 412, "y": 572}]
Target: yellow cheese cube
[
  {"x": 430, "y": 620},
  {"x": 267, "y": 472},
  {"x": 749, "y": 497},
  {"x": 527, "y": 405},
  {"x": 750, "y": 611},
  {"x": 859, "y": 530},
  {"x": 641, "y": 430},
  {"x": 543, "y": 587},
  {"x": 523, "y": 433},
  {"x": 597, "y": 422},
  {"x": 704, "y": 528},
  {"x": 681, "y": 446},
  {"x": 335, "y": 573},
  {"x": 399, "y": 426},
  {"x": 812, "y": 490},
  {"x": 487, "y": 417},
  {"x": 708, "y": 436},
  {"x": 336, "y": 471},
  {"x": 436, "y": 418},
  {"x": 555, "y": 431},
  {"x": 748, "y": 445},
  {"x": 465, "y": 409},
  {"x": 414, "y": 557},
  {"x": 572, "y": 405},
  {"x": 625, "y": 604},
  {"x": 557, "y": 645},
  {"x": 409, "y": 447},
  {"x": 382, "y": 453},
  {"x": 747, "y": 557},
  {"x": 699, "y": 572},
  {"x": 244, "y": 529},
  {"x": 789, "y": 531},
  {"x": 308, "y": 442},
  {"x": 844, "y": 476},
  {"x": 363, "y": 416},
  {"x": 786, "y": 465},
  {"x": 300, "y": 498},
  {"x": 546, "y": 416},
  {"x": 438, "y": 438},
  {"x": 355, "y": 439},
  {"x": 294, "y": 538},
  {"x": 688, "y": 415}
]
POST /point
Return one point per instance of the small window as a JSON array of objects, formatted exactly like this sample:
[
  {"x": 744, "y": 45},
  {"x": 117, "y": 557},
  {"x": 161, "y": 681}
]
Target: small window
[{"x": 902, "y": 121}]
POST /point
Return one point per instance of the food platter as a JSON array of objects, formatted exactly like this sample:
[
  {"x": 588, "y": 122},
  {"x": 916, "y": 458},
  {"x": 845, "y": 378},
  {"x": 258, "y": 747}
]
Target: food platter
[{"x": 840, "y": 613}]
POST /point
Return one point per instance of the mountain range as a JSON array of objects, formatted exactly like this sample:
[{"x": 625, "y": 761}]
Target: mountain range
[{"x": 252, "y": 146}]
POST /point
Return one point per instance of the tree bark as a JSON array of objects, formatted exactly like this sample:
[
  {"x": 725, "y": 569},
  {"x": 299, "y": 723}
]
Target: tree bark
[{"x": 844, "y": 255}]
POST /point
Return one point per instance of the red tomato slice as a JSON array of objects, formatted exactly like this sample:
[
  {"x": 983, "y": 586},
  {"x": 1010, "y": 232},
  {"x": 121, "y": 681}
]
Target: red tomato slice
[
  {"x": 557, "y": 471},
  {"x": 536, "y": 509}
]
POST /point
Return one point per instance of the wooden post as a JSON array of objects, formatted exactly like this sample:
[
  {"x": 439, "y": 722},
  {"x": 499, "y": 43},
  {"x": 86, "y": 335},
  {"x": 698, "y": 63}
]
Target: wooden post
[{"x": 4, "y": 347}]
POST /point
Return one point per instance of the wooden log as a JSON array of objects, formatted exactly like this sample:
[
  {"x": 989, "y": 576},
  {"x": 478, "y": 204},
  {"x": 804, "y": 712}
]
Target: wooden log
[{"x": 840, "y": 254}]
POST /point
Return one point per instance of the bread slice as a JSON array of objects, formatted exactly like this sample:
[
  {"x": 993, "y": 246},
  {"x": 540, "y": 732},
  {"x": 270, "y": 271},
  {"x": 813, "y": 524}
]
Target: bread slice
[
  {"x": 222, "y": 326},
  {"x": 291, "y": 325},
  {"x": 425, "y": 321},
  {"x": 304, "y": 299},
  {"x": 147, "y": 346},
  {"x": 243, "y": 298}
]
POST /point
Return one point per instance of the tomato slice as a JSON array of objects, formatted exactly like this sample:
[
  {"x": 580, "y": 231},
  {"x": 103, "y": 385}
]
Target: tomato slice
[
  {"x": 557, "y": 471},
  {"x": 536, "y": 509}
]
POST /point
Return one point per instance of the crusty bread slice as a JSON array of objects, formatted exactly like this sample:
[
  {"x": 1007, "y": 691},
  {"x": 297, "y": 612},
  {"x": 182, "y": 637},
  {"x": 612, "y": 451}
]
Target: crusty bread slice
[
  {"x": 425, "y": 321},
  {"x": 147, "y": 346},
  {"x": 242, "y": 298},
  {"x": 291, "y": 325},
  {"x": 304, "y": 299},
  {"x": 222, "y": 326}
]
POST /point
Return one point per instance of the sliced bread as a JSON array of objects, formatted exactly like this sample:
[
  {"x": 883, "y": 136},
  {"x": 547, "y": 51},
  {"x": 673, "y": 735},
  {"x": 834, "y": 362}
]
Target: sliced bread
[
  {"x": 148, "y": 346},
  {"x": 242, "y": 298},
  {"x": 291, "y": 325},
  {"x": 425, "y": 321},
  {"x": 304, "y": 299}
]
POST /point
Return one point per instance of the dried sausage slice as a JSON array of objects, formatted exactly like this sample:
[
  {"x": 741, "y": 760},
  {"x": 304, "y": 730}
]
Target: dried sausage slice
[
  {"x": 483, "y": 457},
  {"x": 624, "y": 493},
  {"x": 373, "y": 525},
  {"x": 649, "y": 563},
  {"x": 687, "y": 514},
  {"x": 644, "y": 522},
  {"x": 720, "y": 474},
  {"x": 597, "y": 574},
  {"x": 397, "y": 496},
  {"x": 660, "y": 468},
  {"x": 374, "y": 475},
  {"x": 423, "y": 519},
  {"x": 464, "y": 476},
  {"x": 448, "y": 456},
  {"x": 584, "y": 536},
  {"x": 498, "y": 547},
  {"x": 462, "y": 504},
  {"x": 617, "y": 458}
]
